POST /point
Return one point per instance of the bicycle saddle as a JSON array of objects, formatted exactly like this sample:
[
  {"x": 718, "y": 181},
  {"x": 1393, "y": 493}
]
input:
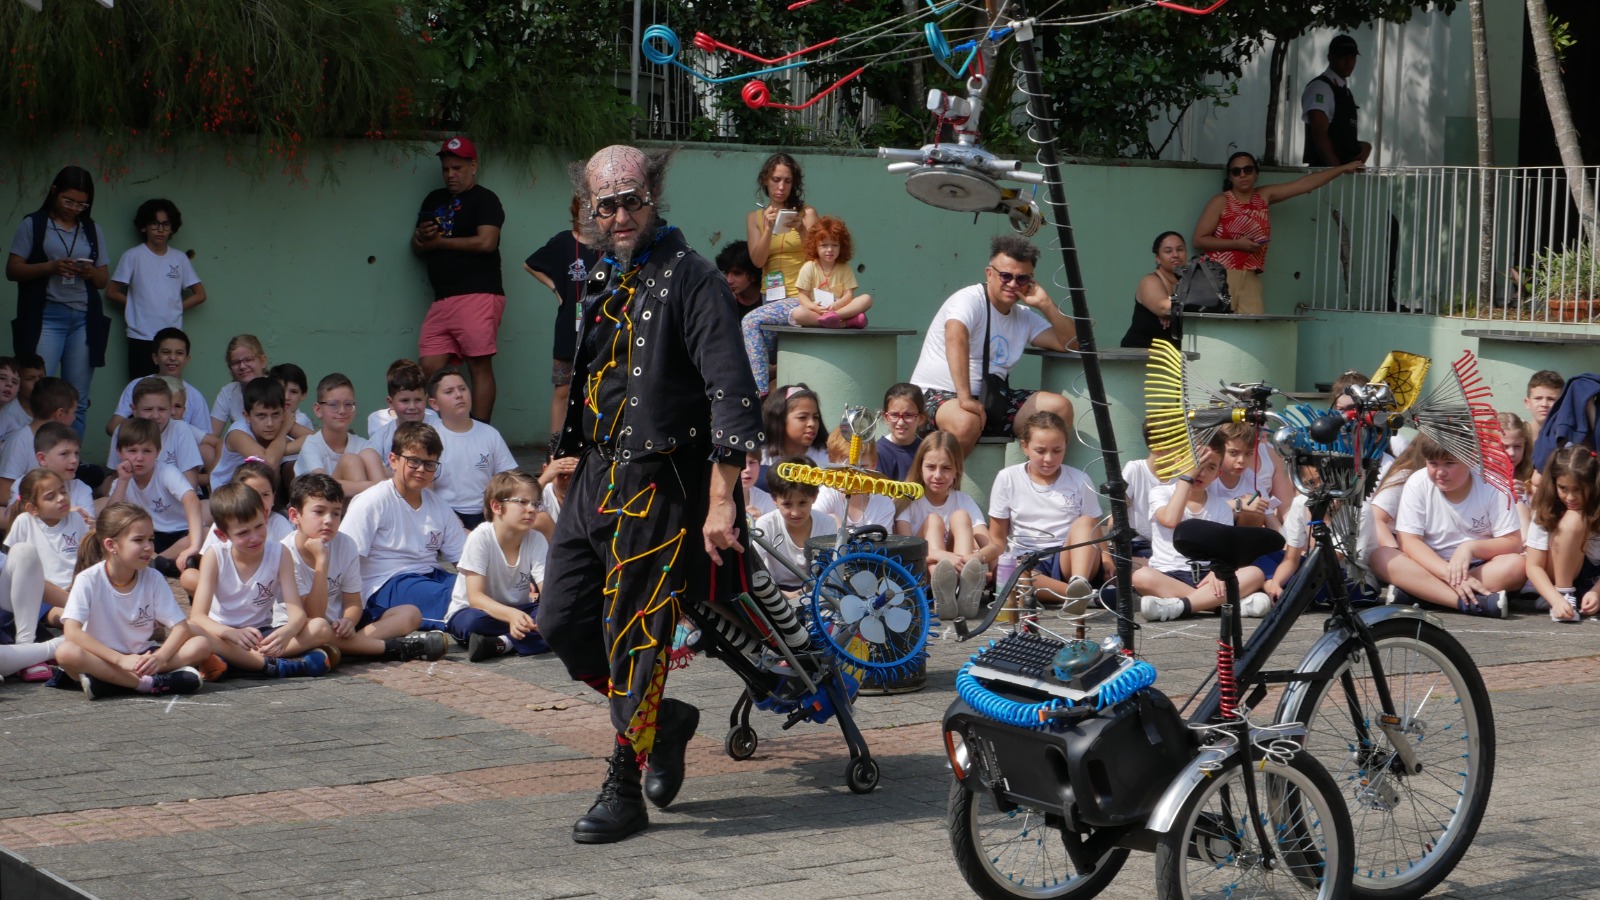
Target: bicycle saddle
[{"x": 1227, "y": 545}]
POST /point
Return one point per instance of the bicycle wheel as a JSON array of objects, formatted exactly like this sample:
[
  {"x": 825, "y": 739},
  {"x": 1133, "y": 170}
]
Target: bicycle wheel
[
  {"x": 1007, "y": 855},
  {"x": 1213, "y": 849},
  {"x": 1410, "y": 829}
]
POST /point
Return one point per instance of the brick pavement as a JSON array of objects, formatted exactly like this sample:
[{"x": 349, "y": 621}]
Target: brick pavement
[{"x": 458, "y": 780}]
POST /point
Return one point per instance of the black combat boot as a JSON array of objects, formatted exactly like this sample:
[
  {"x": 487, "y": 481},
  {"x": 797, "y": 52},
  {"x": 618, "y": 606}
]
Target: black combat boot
[
  {"x": 619, "y": 811},
  {"x": 675, "y": 726}
]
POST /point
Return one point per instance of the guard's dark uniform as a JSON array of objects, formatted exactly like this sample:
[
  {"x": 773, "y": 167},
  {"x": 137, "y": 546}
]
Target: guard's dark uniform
[{"x": 661, "y": 389}]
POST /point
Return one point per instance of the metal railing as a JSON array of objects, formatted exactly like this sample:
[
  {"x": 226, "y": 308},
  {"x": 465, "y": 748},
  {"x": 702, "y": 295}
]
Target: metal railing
[{"x": 1407, "y": 240}]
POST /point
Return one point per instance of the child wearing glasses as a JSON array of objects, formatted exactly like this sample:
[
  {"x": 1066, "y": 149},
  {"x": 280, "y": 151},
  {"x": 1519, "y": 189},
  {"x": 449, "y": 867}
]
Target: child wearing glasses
[
  {"x": 403, "y": 530},
  {"x": 495, "y": 600},
  {"x": 473, "y": 451},
  {"x": 247, "y": 361},
  {"x": 905, "y": 412},
  {"x": 154, "y": 282},
  {"x": 349, "y": 458}
]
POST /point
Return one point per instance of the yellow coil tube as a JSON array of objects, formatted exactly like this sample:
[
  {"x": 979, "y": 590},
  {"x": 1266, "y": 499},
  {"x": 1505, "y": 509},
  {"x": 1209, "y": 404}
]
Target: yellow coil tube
[{"x": 850, "y": 480}]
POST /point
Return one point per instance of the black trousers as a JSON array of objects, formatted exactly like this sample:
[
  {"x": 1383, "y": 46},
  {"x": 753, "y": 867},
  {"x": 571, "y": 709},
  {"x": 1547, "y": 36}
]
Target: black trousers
[{"x": 627, "y": 551}]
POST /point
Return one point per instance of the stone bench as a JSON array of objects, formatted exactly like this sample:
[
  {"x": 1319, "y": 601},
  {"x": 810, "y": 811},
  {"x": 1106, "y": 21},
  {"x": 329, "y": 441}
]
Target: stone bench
[
  {"x": 845, "y": 366},
  {"x": 1243, "y": 349},
  {"x": 985, "y": 462}
]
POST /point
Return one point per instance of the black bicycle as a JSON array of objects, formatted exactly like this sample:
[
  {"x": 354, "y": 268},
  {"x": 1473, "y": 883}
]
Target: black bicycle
[{"x": 1386, "y": 700}]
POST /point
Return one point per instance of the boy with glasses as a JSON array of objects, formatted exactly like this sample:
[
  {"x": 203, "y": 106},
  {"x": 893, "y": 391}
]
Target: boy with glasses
[
  {"x": 155, "y": 283},
  {"x": 349, "y": 458},
  {"x": 403, "y": 530}
]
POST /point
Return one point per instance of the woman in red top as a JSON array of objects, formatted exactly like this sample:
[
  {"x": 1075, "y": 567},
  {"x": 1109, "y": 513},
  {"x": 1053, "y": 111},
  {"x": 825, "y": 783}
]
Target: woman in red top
[{"x": 1234, "y": 228}]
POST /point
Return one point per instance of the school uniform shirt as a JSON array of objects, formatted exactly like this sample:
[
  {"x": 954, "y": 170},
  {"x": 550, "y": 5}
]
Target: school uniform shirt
[
  {"x": 381, "y": 417},
  {"x": 1387, "y": 500},
  {"x": 507, "y": 581},
  {"x": 229, "y": 407},
  {"x": 78, "y": 494},
  {"x": 552, "y": 503},
  {"x": 247, "y": 601},
  {"x": 179, "y": 449},
  {"x": 1141, "y": 481},
  {"x": 1009, "y": 335},
  {"x": 1297, "y": 524},
  {"x": 1444, "y": 526},
  {"x": 156, "y": 283},
  {"x": 344, "y": 576},
  {"x": 382, "y": 439},
  {"x": 162, "y": 498},
  {"x": 316, "y": 456},
  {"x": 1041, "y": 514},
  {"x": 18, "y": 458},
  {"x": 1163, "y": 556},
  {"x": 229, "y": 460},
  {"x": 776, "y": 533},
  {"x": 195, "y": 409},
  {"x": 757, "y": 499},
  {"x": 917, "y": 511},
  {"x": 817, "y": 455},
  {"x": 1252, "y": 481},
  {"x": 469, "y": 460},
  {"x": 1539, "y": 539},
  {"x": 278, "y": 527},
  {"x": 122, "y": 621},
  {"x": 894, "y": 460},
  {"x": 393, "y": 539},
  {"x": 57, "y": 544},
  {"x": 879, "y": 510},
  {"x": 13, "y": 418}
]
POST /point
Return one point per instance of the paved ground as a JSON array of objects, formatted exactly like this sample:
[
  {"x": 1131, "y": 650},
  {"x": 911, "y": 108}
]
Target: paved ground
[{"x": 455, "y": 779}]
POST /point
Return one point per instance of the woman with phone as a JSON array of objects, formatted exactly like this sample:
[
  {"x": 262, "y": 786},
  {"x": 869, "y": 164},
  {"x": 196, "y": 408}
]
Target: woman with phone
[
  {"x": 59, "y": 261},
  {"x": 1234, "y": 227}
]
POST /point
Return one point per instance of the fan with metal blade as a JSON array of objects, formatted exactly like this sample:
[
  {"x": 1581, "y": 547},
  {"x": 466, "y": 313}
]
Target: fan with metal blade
[
  {"x": 868, "y": 611},
  {"x": 1458, "y": 414},
  {"x": 1182, "y": 415}
]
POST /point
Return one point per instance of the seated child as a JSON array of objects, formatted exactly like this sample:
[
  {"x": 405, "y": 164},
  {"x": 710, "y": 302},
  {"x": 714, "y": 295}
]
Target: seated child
[
  {"x": 1544, "y": 389},
  {"x": 402, "y": 530},
  {"x": 111, "y": 614},
  {"x": 171, "y": 357},
  {"x": 56, "y": 447},
  {"x": 825, "y": 295},
  {"x": 959, "y": 549},
  {"x": 408, "y": 402},
  {"x": 1248, "y": 478},
  {"x": 295, "y": 387},
  {"x": 349, "y": 458},
  {"x": 262, "y": 434},
  {"x": 860, "y": 509},
  {"x": 146, "y": 480},
  {"x": 13, "y": 416},
  {"x": 473, "y": 451},
  {"x": 22, "y": 588},
  {"x": 258, "y": 477},
  {"x": 327, "y": 573},
  {"x": 152, "y": 400},
  {"x": 1517, "y": 443},
  {"x": 905, "y": 412},
  {"x": 493, "y": 605},
  {"x": 246, "y": 585},
  {"x": 19, "y": 412},
  {"x": 1043, "y": 503},
  {"x": 210, "y": 445},
  {"x": 757, "y": 502},
  {"x": 52, "y": 400},
  {"x": 553, "y": 484},
  {"x": 792, "y": 419},
  {"x": 247, "y": 361},
  {"x": 1460, "y": 542},
  {"x": 47, "y": 524},
  {"x": 1140, "y": 474},
  {"x": 1563, "y": 549},
  {"x": 787, "y": 528},
  {"x": 1167, "y": 583}
]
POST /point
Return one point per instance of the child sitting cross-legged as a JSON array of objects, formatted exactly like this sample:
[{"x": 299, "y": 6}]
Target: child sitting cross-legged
[
  {"x": 1045, "y": 503},
  {"x": 493, "y": 606},
  {"x": 44, "y": 520},
  {"x": 788, "y": 527},
  {"x": 1167, "y": 584},
  {"x": 959, "y": 548},
  {"x": 857, "y": 509},
  {"x": 1564, "y": 537},
  {"x": 115, "y": 604},
  {"x": 327, "y": 572},
  {"x": 473, "y": 451},
  {"x": 248, "y": 583},
  {"x": 152, "y": 401},
  {"x": 1460, "y": 541},
  {"x": 349, "y": 458},
  {"x": 261, "y": 434},
  {"x": 145, "y": 478}
]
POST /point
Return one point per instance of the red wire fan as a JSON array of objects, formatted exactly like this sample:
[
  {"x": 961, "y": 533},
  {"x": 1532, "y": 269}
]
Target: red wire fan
[
  {"x": 1496, "y": 465},
  {"x": 1457, "y": 413}
]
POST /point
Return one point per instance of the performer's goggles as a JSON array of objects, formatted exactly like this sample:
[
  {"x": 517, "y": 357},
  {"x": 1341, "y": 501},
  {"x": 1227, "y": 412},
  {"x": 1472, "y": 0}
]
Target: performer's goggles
[{"x": 630, "y": 200}]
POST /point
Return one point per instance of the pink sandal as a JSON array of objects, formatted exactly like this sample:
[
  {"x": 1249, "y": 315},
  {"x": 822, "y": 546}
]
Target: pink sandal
[{"x": 37, "y": 673}]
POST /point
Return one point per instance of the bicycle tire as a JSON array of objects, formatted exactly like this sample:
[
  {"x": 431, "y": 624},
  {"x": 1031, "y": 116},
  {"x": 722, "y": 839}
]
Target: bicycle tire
[
  {"x": 1007, "y": 856},
  {"x": 1398, "y": 854},
  {"x": 1209, "y": 852}
]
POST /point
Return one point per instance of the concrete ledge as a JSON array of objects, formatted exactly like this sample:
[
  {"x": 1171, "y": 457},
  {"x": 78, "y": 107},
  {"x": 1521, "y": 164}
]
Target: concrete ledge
[
  {"x": 19, "y": 878},
  {"x": 869, "y": 331},
  {"x": 1532, "y": 337}
]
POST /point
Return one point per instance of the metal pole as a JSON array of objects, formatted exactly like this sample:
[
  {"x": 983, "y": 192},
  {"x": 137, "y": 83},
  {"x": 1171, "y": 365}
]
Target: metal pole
[
  {"x": 633, "y": 57},
  {"x": 1115, "y": 488}
]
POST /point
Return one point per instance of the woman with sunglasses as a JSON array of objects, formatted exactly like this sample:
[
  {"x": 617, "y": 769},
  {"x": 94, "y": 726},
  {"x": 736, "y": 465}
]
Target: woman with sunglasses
[
  {"x": 1234, "y": 227},
  {"x": 60, "y": 264}
]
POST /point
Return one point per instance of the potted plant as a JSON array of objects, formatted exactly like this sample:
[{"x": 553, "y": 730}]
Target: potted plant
[{"x": 1567, "y": 282}]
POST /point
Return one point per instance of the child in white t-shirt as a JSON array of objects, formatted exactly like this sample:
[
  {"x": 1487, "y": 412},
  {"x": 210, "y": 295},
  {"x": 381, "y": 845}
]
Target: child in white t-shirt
[
  {"x": 112, "y": 611},
  {"x": 959, "y": 549},
  {"x": 1169, "y": 587},
  {"x": 1563, "y": 549},
  {"x": 786, "y": 529},
  {"x": 258, "y": 477},
  {"x": 405, "y": 402},
  {"x": 152, "y": 400},
  {"x": 1141, "y": 478},
  {"x": 143, "y": 479},
  {"x": 247, "y": 361},
  {"x": 171, "y": 357},
  {"x": 1460, "y": 541},
  {"x": 494, "y": 604},
  {"x": 1248, "y": 478},
  {"x": 1044, "y": 503},
  {"x": 349, "y": 458},
  {"x": 154, "y": 282},
  {"x": 22, "y": 587},
  {"x": 757, "y": 502},
  {"x": 860, "y": 509},
  {"x": 245, "y": 586},
  {"x": 49, "y": 523},
  {"x": 474, "y": 451},
  {"x": 327, "y": 572},
  {"x": 262, "y": 434}
]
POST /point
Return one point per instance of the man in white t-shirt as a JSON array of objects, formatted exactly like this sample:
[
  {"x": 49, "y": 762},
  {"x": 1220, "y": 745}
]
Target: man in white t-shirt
[{"x": 949, "y": 369}]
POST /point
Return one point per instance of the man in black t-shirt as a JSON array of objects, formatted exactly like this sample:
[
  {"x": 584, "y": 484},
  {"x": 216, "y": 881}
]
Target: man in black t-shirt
[{"x": 458, "y": 237}]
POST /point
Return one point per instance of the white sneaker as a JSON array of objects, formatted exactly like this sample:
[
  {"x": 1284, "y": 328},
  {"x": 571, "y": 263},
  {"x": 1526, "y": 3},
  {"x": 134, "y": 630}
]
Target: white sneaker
[
  {"x": 1161, "y": 609},
  {"x": 969, "y": 594},
  {"x": 1255, "y": 606},
  {"x": 944, "y": 590}
]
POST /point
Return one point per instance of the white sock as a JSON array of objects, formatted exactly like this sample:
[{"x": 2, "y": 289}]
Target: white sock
[
  {"x": 22, "y": 590},
  {"x": 16, "y": 657}
]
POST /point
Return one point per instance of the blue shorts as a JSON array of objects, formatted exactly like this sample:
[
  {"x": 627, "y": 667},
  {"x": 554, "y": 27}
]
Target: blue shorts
[
  {"x": 428, "y": 591},
  {"x": 470, "y": 621}
]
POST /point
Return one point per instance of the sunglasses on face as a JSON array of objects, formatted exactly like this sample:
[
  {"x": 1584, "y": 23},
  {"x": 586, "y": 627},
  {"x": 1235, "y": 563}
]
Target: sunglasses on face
[
  {"x": 607, "y": 206},
  {"x": 1240, "y": 171},
  {"x": 1017, "y": 278}
]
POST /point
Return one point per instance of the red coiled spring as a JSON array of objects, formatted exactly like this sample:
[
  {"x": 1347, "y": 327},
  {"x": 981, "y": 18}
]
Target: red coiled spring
[{"x": 1227, "y": 682}]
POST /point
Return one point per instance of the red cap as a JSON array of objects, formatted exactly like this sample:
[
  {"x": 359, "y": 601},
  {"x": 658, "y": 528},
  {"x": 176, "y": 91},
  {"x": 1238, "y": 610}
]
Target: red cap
[{"x": 459, "y": 146}]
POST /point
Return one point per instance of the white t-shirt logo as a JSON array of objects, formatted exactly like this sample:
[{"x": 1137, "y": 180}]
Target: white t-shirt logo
[
  {"x": 435, "y": 540},
  {"x": 484, "y": 461},
  {"x": 69, "y": 541},
  {"x": 174, "y": 272},
  {"x": 523, "y": 582},
  {"x": 1479, "y": 525},
  {"x": 265, "y": 593},
  {"x": 158, "y": 505},
  {"x": 142, "y": 616}
]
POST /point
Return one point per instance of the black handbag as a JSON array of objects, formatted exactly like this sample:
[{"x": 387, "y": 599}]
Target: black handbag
[
  {"x": 1202, "y": 287},
  {"x": 994, "y": 391}
]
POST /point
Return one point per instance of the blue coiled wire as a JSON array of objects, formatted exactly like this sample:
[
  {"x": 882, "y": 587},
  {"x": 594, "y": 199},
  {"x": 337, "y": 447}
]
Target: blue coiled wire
[{"x": 1035, "y": 716}]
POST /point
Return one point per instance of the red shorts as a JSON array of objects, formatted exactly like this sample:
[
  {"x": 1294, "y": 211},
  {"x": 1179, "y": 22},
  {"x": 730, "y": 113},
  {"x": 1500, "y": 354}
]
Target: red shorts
[{"x": 463, "y": 326}]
